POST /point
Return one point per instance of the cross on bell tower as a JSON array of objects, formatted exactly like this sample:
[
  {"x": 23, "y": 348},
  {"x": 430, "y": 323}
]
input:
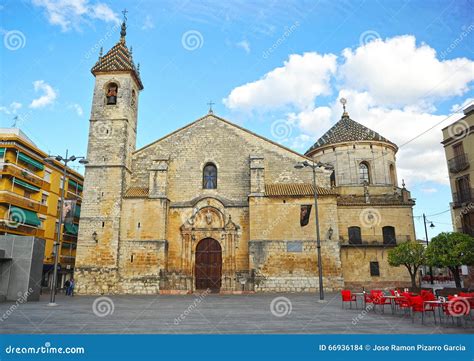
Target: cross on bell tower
[{"x": 123, "y": 31}]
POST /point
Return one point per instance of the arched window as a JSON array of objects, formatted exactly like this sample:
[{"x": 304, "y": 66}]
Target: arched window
[
  {"x": 364, "y": 174},
  {"x": 354, "y": 235},
  {"x": 111, "y": 94},
  {"x": 389, "y": 235},
  {"x": 333, "y": 178},
  {"x": 393, "y": 179},
  {"x": 209, "y": 176}
]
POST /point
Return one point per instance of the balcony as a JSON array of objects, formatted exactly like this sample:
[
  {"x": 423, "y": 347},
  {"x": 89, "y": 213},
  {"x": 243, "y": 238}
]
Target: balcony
[
  {"x": 373, "y": 241},
  {"x": 22, "y": 202},
  {"x": 463, "y": 197},
  {"x": 458, "y": 163},
  {"x": 23, "y": 174},
  {"x": 67, "y": 237},
  {"x": 21, "y": 229}
]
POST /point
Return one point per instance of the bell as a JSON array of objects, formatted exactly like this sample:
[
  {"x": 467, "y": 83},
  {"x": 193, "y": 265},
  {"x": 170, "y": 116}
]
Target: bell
[{"x": 111, "y": 100}]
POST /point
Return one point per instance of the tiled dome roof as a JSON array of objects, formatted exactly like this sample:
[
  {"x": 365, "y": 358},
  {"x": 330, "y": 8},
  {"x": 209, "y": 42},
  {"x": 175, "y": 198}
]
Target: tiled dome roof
[{"x": 347, "y": 130}]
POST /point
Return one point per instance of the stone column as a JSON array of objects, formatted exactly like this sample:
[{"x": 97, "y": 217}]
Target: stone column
[
  {"x": 257, "y": 176},
  {"x": 158, "y": 179}
]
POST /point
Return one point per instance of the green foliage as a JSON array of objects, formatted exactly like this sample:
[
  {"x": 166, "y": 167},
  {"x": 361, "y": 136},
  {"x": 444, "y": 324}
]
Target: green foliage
[
  {"x": 409, "y": 254},
  {"x": 451, "y": 249}
]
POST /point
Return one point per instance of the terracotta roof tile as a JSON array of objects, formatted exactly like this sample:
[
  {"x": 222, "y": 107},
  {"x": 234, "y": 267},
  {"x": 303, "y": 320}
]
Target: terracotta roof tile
[
  {"x": 295, "y": 189},
  {"x": 347, "y": 130},
  {"x": 117, "y": 59}
]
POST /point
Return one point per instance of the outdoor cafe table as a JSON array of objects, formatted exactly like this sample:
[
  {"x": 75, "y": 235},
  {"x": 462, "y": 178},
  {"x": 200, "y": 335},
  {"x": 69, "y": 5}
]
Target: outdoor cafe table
[
  {"x": 357, "y": 294},
  {"x": 392, "y": 301}
]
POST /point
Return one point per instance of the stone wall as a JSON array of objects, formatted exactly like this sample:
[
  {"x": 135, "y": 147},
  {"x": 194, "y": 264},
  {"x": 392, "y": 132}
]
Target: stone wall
[{"x": 356, "y": 269}]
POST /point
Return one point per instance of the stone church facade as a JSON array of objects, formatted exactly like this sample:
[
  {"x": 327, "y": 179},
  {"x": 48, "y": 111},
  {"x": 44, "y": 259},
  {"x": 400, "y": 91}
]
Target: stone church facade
[{"x": 215, "y": 206}]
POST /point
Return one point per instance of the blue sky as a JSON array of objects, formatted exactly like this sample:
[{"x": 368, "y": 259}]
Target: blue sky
[{"x": 276, "y": 67}]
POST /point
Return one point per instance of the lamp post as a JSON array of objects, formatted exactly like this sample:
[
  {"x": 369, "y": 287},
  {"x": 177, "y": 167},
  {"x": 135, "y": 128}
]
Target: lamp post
[
  {"x": 426, "y": 235},
  {"x": 314, "y": 166},
  {"x": 65, "y": 160}
]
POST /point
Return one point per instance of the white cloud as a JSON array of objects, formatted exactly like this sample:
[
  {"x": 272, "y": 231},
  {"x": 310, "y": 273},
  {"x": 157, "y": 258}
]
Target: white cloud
[
  {"x": 312, "y": 120},
  {"x": 460, "y": 107},
  {"x": 301, "y": 79},
  {"x": 397, "y": 72},
  {"x": 148, "y": 23},
  {"x": 70, "y": 14},
  {"x": 78, "y": 109},
  {"x": 244, "y": 44},
  {"x": 11, "y": 109},
  {"x": 48, "y": 97},
  {"x": 429, "y": 190}
]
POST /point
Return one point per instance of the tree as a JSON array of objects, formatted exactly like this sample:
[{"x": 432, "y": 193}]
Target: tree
[
  {"x": 408, "y": 254},
  {"x": 451, "y": 249}
]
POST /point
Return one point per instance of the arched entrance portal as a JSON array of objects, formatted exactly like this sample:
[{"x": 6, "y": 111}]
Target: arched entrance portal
[{"x": 208, "y": 268}]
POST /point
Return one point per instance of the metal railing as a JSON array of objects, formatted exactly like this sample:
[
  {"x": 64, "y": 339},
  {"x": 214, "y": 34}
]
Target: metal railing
[
  {"x": 463, "y": 197},
  {"x": 19, "y": 172},
  {"x": 374, "y": 240},
  {"x": 24, "y": 229},
  {"x": 458, "y": 163},
  {"x": 20, "y": 201}
]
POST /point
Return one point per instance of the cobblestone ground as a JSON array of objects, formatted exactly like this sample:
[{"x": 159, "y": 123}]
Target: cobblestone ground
[{"x": 261, "y": 313}]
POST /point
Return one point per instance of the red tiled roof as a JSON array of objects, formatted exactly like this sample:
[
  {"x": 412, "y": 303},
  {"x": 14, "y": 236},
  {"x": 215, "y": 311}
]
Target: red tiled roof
[
  {"x": 295, "y": 189},
  {"x": 136, "y": 192}
]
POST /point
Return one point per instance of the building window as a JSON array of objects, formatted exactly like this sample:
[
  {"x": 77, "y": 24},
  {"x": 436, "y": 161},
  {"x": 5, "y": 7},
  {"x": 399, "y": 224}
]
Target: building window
[
  {"x": 333, "y": 178},
  {"x": 47, "y": 175},
  {"x": 209, "y": 176},
  {"x": 393, "y": 178},
  {"x": 364, "y": 176},
  {"x": 463, "y": 187},
  {"x": 354, "y": 235},
  {"x": 111, "y": 95},
  {"x": 294, "y": 246},
  {"x": 374, "y": 269},
  {"x": 133, "y": 101},
  {"x": 44, "y": 199},
  {"x": 389, "y": 235}
]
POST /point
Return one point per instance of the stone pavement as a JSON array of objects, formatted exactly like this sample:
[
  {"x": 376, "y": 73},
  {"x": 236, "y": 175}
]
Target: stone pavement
[{"x": 208, "y": 313}]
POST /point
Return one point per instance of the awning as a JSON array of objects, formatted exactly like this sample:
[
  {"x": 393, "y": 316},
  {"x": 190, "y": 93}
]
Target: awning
[
  {"x": 71, "y": 228},
  {"x": 2, "y": 152},
  {"x": 75, "y": 185},
  {"x": 24, "y": 216},
  {"x": 27, "y": 159},
  {"x": 26, "y": 185},
  {"x": 77, "y": 211}
]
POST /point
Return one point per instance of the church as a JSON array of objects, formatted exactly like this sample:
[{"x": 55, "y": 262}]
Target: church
[{"x": 213, "y": 206}]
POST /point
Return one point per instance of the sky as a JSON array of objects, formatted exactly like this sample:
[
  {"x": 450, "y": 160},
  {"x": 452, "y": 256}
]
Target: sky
[{"x": 278, "y": 68}]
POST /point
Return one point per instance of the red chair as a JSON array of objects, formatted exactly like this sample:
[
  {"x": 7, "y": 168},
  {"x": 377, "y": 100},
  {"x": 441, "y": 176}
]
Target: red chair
[
  {"x": 379, "y": 299},
  {"x": 347, "y": 296},
  {"x": 417, "y": 304},
  {"x": 368, "y": 299},
  {"x": 456, "y": 307}
]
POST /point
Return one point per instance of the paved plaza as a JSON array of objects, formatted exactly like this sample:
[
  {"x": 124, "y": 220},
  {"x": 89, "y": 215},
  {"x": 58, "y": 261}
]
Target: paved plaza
[{"x": 208, "y": 313}]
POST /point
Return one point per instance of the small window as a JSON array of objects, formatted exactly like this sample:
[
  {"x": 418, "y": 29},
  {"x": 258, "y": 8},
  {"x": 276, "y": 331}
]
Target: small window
[
  {"x": 374, "y": 269},
  {"x": 44, "y": 199},
  {"x": 393, "y": 178},
  {"x": 354, "y": 235},
  {"x": 389, "y": 235},
  {"x": 209, "y": 176},
  {"x": 111, "y": 94},
  {"x": 47, "y": 175},
  {"x": 364, "y": 176},
  {"x": 133, "y": 101},
  {"x": 333, "y": 179},
  {"x": 294, "y": 246}
]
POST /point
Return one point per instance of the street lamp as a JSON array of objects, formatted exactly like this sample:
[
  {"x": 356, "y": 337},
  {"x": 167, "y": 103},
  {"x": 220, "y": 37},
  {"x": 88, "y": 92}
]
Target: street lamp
[
  {"x": 314, "y": 166},
  {"x": 65, "y": 160},
  {"x": 426, "y": 235}
]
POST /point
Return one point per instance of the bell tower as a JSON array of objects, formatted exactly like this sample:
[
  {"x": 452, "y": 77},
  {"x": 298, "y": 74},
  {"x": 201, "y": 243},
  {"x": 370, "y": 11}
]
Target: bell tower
[{"x": 112, "y": 139}]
